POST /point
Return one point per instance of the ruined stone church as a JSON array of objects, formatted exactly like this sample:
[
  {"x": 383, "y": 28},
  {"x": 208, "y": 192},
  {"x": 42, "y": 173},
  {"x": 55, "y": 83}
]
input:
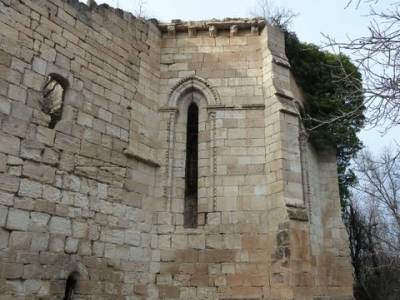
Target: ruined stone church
[{"x": 149, "y": 160}]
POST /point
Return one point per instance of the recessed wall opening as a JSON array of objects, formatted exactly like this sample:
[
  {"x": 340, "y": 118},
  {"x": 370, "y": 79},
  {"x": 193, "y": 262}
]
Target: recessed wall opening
[
  {"x": 53, "y": 98},
  {"x": 71, "y": 287},
  {"x": 191, "y": 171}
]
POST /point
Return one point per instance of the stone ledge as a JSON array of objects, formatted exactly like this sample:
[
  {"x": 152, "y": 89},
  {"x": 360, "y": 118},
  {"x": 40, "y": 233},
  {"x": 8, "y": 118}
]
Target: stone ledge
[
  {"x": 142, "y": 158},
  {"x": 233, "y": 24}
]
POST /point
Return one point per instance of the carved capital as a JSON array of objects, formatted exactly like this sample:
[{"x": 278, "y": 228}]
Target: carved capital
[
  {"x": 192, "y": 32},
  {"x": 254, "y": 29},
  {"x": 171, "y": 29},
  {"x": 213, "y": 31},
  {"x": 234, "y": 30}
]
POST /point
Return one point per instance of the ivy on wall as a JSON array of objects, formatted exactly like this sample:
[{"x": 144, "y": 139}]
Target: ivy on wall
[{"x": 333, "y": 111}]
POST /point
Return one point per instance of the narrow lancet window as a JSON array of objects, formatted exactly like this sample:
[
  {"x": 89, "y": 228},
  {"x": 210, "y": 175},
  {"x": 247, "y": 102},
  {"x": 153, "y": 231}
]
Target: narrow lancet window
[
  {"x": 191, "y": 172},
  {"x": 71, "y": 287}
]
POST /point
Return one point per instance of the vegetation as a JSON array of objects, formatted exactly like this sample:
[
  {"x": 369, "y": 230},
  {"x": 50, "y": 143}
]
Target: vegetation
[
  {"x": 333, "y": 108},
  {"x": 336, "y": 99},
  {"x": 333, "y": 111},
  {"x": 373, "y": 223}
]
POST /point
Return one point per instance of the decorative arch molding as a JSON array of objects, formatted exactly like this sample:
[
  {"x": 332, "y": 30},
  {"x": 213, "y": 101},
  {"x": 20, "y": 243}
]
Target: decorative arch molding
[{"x": 193, "y": 83}]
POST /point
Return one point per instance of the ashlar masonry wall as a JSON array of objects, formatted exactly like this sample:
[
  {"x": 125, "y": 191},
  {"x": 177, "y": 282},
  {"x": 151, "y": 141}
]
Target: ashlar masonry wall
[
  {"x": 95, "y": 205},
  {"x": 71, "y": 200}
]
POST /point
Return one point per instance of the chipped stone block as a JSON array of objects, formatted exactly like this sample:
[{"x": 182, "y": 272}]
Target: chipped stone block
[{"x": 71, "y": 245}]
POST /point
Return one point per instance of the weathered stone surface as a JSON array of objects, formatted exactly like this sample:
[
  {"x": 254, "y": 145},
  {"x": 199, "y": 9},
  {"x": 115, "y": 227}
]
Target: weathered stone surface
[
  {"x": 18, "y": 220},
  {"x": 30, "y": 188},
  {"x": 60, "y": 225},
  {"x": 92, "y": 172},
  {"x": 9, "y": 183},
  {"x": 9, "y": 144}
]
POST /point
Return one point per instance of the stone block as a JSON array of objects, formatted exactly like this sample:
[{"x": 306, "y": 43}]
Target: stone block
[
  {"x": 3, "y": 215},
  {"x": 18, "y": 220},
  {"x": 31, "y": 149},
  {"x": 21, "y": 111},
  {"x": 45, "y": 135},
  {"x": 39, "y": 65},
  {"x": 79, "y": 229},
  {"x": 197, "y": 241},
  {"x": 9, "y": 183},
  {"x": 71, "y": 245},
  {"x": 6, "y": 199},
  {"x": 29, "y": 188},
  {"x": 9, "y": 144},
  {"x": 59, "y": 225},
  {"x": 20, "y": 240},
  {"x": 113, "y": 236},
  {"x": 4, "y": 238},
  {"x": 5, "y": 106},
  {"x": 57, "y": 243},
  {"x": 39, "y": 172},
  {"x": 33, "y": 80},
  {"x": 17, "y": 93},
  {"x": 132, "y": 238},
  {"x": 40, "y": 241},
  {"x": 51, "y": 193},
  {"x": 85, "y": 248},
  {"x": 67, "y": 143},
  {"x": 39, "y": 221}
]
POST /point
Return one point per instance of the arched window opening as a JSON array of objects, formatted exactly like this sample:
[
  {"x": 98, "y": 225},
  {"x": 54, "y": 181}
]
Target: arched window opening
[
  {"x": 71, "y": 287},
  {"x": 191, "y": 171},
  {"x": 53, "y": 98}
]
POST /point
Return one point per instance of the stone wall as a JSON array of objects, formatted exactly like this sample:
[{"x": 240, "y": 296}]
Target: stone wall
[
  {"x": 101, "y": 196},
  {"x": 71, "y": 200}
]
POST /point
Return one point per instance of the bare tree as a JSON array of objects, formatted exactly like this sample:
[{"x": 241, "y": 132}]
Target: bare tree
[
  {"x": 140, "y": 10},
  {"x": 372, "y": 220},
  {"x": 276, "y": 15},
  {"x": 377, "y": 55},
  {"x": 379, "y": 187}
]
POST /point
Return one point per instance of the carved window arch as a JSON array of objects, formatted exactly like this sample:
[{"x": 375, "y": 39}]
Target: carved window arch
[
  {"x": 53, "y": 98},
  {"x": 189, "y": 187}
]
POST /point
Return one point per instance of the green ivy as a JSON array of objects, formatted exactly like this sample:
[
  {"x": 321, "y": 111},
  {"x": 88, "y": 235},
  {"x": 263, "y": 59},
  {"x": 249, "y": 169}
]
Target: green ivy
[{"x": 332, "y": 86}]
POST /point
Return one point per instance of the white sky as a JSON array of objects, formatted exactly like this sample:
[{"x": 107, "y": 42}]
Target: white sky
[{"x": 315, "y": 17}]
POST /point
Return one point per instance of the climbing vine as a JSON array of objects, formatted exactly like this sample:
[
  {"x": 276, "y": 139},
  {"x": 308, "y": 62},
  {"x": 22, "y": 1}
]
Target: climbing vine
[{"x": 333, "y": 112}]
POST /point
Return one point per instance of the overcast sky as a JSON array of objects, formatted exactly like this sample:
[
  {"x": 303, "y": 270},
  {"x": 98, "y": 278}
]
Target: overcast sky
[{"x": 314, "y": 18}]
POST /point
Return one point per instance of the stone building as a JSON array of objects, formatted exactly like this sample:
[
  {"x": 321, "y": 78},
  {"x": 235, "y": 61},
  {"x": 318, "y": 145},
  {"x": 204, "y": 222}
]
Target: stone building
[{"x": 142, "y": 160}]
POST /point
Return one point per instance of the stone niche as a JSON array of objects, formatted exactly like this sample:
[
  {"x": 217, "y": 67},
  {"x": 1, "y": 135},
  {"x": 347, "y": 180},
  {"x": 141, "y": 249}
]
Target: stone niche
[{"x": 97, "y": 166}]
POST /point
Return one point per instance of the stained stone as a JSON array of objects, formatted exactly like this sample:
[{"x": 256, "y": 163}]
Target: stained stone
[{"x": 96, "y": 168}]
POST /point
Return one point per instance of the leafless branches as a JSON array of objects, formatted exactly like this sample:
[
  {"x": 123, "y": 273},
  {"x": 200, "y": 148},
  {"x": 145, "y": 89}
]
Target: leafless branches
[
  {"x": 373, "y": 222},
  {"x": 379, "y": 188},
  {"x": 377, "y": 56},
  {"x": 141, "y": 8},
  {"x": 275, "y": 15}
]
